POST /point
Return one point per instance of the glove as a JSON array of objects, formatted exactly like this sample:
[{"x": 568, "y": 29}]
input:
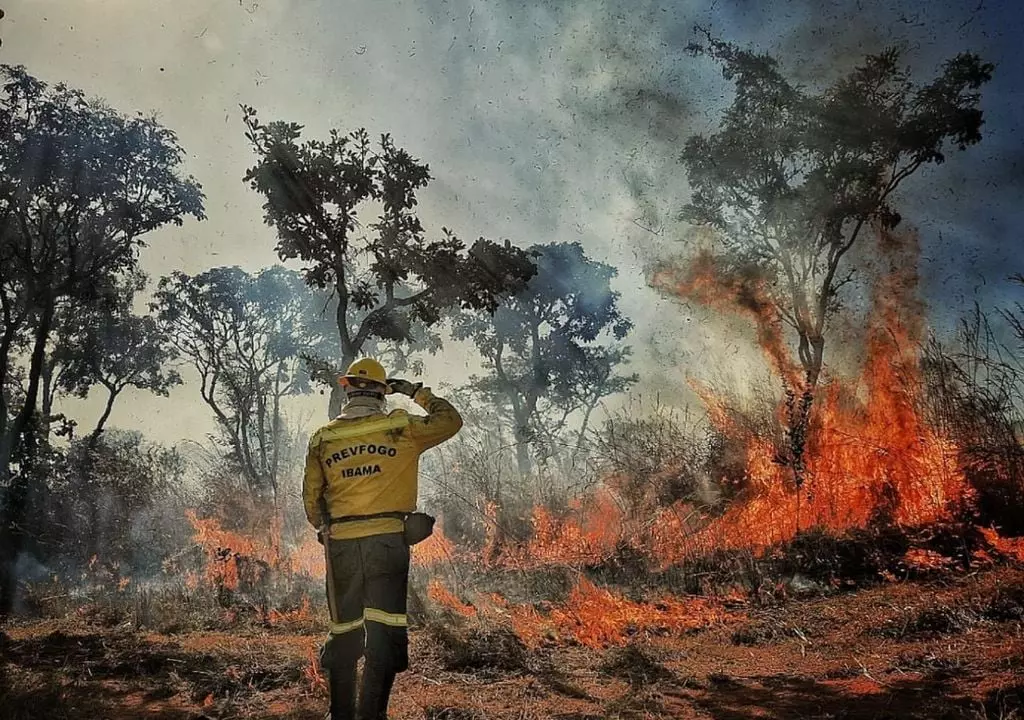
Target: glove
[{"x": 403, "y": 387}]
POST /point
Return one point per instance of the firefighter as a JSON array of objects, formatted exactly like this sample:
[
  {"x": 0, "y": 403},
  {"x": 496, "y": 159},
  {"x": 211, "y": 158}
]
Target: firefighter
[{"x": 359, "y": 489}]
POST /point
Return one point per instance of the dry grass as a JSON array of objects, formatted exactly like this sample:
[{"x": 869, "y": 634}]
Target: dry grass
[
  {"x": 636, "y": 664},
  {"x": 837, "y": 669},
  {"x": 1004, "y": 605},
  {"x": 171, "y": 607},
  {"x": 479, "y": 647}
]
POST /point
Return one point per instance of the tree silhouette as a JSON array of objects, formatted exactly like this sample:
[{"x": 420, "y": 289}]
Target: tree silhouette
[
  {"x": 346, "y": 209},
  {"x": 554, "y": 348},
  {"x": 110, "y": 347},
  {"x": 80, "y": 186},
  {"x": 244, "y": 335}
]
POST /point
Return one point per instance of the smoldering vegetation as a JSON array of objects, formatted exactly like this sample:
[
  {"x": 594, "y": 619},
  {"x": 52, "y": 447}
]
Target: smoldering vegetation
[{"x": 580, "y": 518}]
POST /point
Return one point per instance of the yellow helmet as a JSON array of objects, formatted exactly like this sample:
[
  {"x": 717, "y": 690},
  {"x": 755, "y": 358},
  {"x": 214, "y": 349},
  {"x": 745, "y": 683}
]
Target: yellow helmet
[{"x": 363, "y": 371}]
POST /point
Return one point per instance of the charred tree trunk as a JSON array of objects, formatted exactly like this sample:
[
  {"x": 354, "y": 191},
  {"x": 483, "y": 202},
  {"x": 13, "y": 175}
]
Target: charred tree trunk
[
  {"x": 348, "y": 347},
  {"x": 88, "y": 472},
  {"x": 521, "y": 433},
  {"x": 276, "y": 439},
  {"x": 13, "y": 444},
  {"x": 337, "y": 400},
  {"x": 799, "y": 402},
  {"x": 112, "y": 392}
]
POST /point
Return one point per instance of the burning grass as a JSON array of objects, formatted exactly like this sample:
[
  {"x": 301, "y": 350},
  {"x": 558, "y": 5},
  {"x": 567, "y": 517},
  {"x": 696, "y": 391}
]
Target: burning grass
[
  {"x": 592, "y": 616},
  {"x": 885, "y": 496},
  {"x": 70, "y": 670},
  {"x": 733, "y": 550}
]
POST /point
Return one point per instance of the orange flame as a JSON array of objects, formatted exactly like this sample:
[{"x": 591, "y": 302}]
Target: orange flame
[
  {"x": 301, "y": 614},
  {"x": 869, "y": 453},
  {"x": 434, "y": 550},
  {"x": 591, "y": 616},
  {"x": 869, "y": 456},
  {"x": 440, "y": 594},
  {"x": 587, "y": 534},
  {"x": 307, "y": 559},
  {"x": 704, "y": 280},
  {"x": 597, "y": 617},
  {"x": 312, "y": 672},
  {"x": 240, "y": 561},
  {"x": 924, "y": 559},
  {"x": 1010, "y": 547},
  {"x": 231, "y": 556}
]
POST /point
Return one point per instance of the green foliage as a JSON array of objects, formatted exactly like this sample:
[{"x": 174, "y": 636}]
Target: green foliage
[
  {"x": 792, "y": 176},
  {"x": 390, "y": 281},
  {"x": 118, "y": 351},
  {"x": 109, "y": 486},
  {"x": 111, "y": 347},
  {"x": 244, "y": 335},
  {"x": 113, "y": 497},
  {"x": 554, "y": 348},
  {"x": 80, "y": 186}
]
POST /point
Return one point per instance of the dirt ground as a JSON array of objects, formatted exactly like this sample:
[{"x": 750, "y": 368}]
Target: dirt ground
[{"x": 949, "y": 649}]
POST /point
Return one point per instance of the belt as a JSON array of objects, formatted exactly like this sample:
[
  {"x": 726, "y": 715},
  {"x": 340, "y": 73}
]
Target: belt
[{"x": 374, "y": 516}]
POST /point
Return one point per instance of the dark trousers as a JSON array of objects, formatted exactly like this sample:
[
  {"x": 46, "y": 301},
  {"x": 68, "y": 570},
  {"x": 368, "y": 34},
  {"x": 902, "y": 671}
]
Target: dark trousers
[{"x": 367, "y": 583}]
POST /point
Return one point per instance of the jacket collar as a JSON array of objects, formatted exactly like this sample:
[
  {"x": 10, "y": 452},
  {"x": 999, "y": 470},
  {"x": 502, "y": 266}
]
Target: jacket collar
[{"x": 359, "y": 407}]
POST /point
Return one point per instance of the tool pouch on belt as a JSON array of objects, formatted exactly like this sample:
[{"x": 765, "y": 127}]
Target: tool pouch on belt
[{"x": 418, "y": 526}]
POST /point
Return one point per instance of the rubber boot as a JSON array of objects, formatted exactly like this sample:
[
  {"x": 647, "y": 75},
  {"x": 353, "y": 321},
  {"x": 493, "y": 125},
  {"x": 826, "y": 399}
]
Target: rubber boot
[
  {"x": 389, "y": 681},
  {"x": 342, "y": 684},
  {"x": 374, "y": 692}
]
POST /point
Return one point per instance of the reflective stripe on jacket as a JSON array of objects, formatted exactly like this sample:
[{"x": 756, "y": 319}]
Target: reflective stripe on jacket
[{"x": 368, "y": 465}]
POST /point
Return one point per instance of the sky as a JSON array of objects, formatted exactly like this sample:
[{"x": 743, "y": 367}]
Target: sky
[{"x": 541, "y": 121}]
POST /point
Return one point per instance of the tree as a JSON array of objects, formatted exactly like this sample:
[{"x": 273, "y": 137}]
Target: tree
[
  {"x": 101, "y": 344},
  {"x": 80, "y": 186},
  {"x": 388, "y": 280},
  {"x": 244, "y": 335},
  {"x": 792, "y": 178},
  {"x": 554, "y": 348},
  {"x": 111, "y": 347}
]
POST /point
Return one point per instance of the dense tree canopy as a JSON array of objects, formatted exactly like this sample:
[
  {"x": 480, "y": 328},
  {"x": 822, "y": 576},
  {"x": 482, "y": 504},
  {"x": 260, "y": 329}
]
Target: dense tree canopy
[
  {"x": 792, "y": 178},
  {"x": 244, "y": 335},
  {"x": 80, "y": 187},
  {"x": 110, "y": 347}
]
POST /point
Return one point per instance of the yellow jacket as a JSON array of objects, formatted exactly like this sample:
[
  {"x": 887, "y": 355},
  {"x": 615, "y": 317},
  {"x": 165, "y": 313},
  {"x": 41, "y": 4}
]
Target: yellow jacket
[{"x": 367, "y": 465}]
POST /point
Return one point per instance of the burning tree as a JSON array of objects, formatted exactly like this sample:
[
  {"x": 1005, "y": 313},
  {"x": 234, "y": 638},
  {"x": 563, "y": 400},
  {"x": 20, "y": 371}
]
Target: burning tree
[
  {"x": 80, "y": 186},
  {"x": 792, "y": 178},
  {"x": 390, "y": 284}
]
